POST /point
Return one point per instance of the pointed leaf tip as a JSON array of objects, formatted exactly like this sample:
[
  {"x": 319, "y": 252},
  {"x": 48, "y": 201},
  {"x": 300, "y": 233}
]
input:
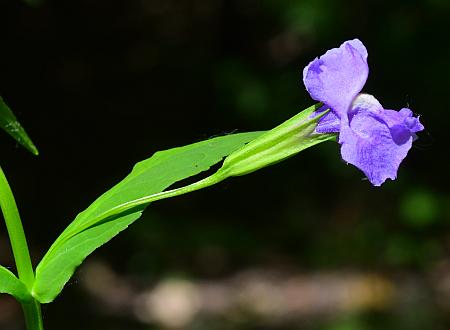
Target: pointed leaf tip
[{"x": 10, "y": 125}]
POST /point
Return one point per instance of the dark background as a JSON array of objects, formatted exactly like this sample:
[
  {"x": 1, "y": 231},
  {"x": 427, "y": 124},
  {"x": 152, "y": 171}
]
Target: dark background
[{"x": 306, "y": 244}]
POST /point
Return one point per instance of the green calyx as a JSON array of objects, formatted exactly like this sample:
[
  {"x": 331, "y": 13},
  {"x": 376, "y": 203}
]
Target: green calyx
[{"x": 285, "y": 140}]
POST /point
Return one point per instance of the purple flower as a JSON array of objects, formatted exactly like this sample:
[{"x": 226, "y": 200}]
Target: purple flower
[{"x": 372, "y": 138}]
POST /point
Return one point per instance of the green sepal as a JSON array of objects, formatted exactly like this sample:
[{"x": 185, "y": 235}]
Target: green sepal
[{"x": 285, "y": 140}]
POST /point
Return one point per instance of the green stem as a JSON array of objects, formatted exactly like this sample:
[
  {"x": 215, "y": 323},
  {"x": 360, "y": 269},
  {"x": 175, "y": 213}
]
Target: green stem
[
  {"x": 16, "y": 234},
  {"x": 32, "y": 310},
  {"x": 206, "y": 182},
  {"x": 33, "y": 316}
]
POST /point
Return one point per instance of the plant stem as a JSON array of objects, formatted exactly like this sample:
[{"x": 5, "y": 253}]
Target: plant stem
[
  {"x": 206, "y": 182},
  {"x": 33, "y": 316},
  {"x": 32, "y": 310},
  {"x": 16, "y": 233}
]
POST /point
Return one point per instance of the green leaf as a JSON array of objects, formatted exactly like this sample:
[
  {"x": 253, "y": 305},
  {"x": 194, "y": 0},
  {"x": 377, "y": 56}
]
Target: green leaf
[
  {"x": 10, "y": 284},
  {"x": 9, "y": 123},
  {"x": 115, "y": 210}
]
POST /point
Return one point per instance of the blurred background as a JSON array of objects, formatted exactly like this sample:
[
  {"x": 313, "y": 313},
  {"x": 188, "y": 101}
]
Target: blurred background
[{"x": 306, "y": 244}]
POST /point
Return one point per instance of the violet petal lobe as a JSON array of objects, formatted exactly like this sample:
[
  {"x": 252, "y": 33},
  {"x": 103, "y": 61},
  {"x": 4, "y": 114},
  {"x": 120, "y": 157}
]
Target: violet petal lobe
[
  {"x": 402, "y": 124},
  {"x": 404, "y": 117},
  {"x": 329, "y": 123},
  {"x": 376, "y": 140},
  {"x": 338, "y": 76}
]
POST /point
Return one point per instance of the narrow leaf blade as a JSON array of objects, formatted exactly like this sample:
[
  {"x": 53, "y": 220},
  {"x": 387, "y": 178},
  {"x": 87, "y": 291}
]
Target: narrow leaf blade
[
  {"x": 10, "y": 125},
  {"x": 11, "y": 285},
  {"x": 54, "y": 272},
  {"x": 89, "y": 230}
]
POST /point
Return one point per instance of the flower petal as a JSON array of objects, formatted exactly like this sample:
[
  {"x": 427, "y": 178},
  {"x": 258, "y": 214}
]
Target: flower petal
[
  {"x": 402, "y": 124},
  {"x": 405, "y": 118},
  {"x": 377, "y": 140},
  {"x": 329, "y": 123},
  {"x": 365, "y": 103},
  {"x": 377, "y": 155},
  {"x": 338, "y": 76}
]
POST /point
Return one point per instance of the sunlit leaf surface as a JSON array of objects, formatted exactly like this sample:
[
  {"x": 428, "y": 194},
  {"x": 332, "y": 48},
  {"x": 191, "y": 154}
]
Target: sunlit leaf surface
[
  {"x": 10, "y": 284},
  {"x": 91, "y": 229},
  {"x": 9, "y": 123}
]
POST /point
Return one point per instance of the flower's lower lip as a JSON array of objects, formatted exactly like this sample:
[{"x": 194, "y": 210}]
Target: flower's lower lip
[
  {"x": 365, "y": 101},
  {"x": 410, "y": 122}
]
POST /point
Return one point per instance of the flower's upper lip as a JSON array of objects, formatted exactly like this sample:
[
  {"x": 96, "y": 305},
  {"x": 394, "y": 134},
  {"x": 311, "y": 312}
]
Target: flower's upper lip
[{"x": 338, "y": 76}]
